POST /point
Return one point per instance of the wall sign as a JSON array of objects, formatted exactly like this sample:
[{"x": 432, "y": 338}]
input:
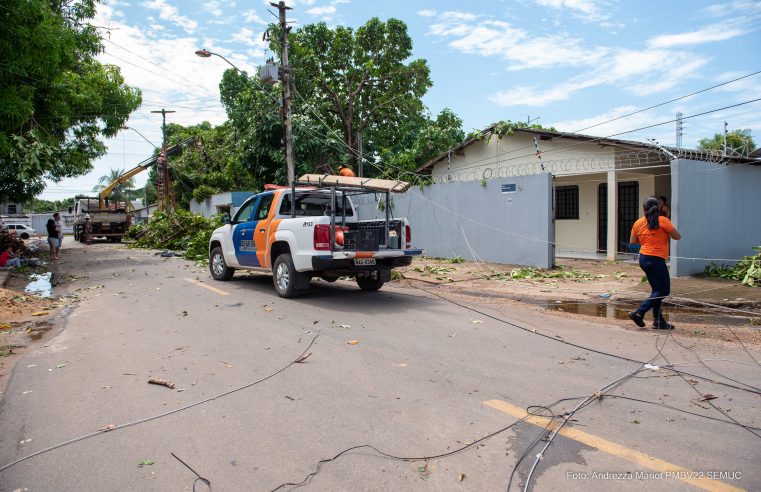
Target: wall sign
[{"x": 509, "y": 188}]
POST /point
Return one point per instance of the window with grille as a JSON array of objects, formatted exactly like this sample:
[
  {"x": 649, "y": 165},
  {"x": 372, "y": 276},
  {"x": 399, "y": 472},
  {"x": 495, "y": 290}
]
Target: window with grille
[
  {"x": 566, "y": 202},
  {"x": 11, "y": 208}
]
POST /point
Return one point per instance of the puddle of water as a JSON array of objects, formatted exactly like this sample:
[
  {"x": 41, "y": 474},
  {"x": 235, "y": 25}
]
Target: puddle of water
[
  {"x": 40, "y": 284},
  {"x": 621, "y": 311}
]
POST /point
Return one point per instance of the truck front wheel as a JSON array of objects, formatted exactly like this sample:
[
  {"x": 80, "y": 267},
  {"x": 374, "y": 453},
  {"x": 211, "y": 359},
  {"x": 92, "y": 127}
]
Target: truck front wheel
[
  {"x": 284, "y": 276},
  {"x": 218, "y": 267},
  {"x": 371, "y": 281}
]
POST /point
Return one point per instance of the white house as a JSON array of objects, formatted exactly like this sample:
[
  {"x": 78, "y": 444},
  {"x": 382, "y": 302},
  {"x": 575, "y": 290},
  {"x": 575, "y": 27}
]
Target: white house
[{"x": 600, "y": 184}]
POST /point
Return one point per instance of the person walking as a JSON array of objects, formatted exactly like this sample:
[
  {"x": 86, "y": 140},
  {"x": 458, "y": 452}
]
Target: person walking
[{"x": 653, "y": 232}]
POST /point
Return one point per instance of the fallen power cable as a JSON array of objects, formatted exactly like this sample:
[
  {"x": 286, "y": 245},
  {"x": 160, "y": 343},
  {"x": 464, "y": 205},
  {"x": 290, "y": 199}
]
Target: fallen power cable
[{"x": 110, "y": 428}]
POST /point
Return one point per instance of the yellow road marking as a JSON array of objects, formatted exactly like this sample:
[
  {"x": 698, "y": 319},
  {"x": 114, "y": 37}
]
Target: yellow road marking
[
  {"x": 615, "y": 449},
  {"x": 207, "y": 287}
]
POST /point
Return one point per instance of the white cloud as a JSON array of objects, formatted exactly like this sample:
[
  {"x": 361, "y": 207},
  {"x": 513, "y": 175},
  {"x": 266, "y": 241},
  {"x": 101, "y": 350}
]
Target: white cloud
[
  {"x": 588, "y": 10},
  {"x": 326, "y": 10},
  {"x": 426, "y": 13},
  {"x": 708, "y": 34},
  {"x": 170, "y": 13},
  {"x": 453, "y": 15},
  {"x": 253, "y": 18},
  {"x": 213, "y": 7},
  {"x": 518, "y": 46},
  {"x": 639, "y": 72},
  {"x": 246, "y": 36}
]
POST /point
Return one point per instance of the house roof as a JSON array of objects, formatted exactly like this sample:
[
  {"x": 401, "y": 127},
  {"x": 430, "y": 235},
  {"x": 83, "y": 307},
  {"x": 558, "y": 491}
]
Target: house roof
[{"x": 603, "y": 141}]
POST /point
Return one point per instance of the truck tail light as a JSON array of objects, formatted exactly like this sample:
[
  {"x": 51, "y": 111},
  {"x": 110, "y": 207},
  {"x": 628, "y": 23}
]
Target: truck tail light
[
  {"x": 322, "y": 237},
  {"x": 408, "y": 236}
]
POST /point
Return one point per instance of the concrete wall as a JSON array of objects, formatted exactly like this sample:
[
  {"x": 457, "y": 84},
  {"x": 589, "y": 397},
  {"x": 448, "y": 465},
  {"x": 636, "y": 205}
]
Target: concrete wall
[
  {"x": 473, "y": 221},
  {"x": 717, "y": 209}
]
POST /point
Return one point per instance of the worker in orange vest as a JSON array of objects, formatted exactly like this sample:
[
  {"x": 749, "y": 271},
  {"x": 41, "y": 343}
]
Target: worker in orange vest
[{"x": 345, "y": 171}]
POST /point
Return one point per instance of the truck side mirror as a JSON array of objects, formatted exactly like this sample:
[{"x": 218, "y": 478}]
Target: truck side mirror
[{"x": 225, "y": 218}]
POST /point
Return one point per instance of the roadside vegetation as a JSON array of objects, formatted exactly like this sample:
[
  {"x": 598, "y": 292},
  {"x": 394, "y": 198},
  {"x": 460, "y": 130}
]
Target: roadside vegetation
[
  {"x": 747, "y": 271},
  {"x": 180, "y": 231}
]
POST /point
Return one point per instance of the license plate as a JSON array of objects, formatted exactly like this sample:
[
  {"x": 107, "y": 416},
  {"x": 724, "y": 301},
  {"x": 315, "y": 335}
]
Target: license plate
[{"x": 364, "y": 261}]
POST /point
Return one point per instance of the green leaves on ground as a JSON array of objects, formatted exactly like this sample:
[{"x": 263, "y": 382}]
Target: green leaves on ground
[
  {"x": 529, "y": 273},
  {"x": 747, "y": 271},
  {"x": 177, "y": 231}
]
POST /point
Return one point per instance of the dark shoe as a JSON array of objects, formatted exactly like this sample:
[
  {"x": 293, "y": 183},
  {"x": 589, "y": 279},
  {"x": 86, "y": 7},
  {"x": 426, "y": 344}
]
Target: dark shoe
[
  {"x": 662, "y": 325},
  {"x": 637, "y": 318}
]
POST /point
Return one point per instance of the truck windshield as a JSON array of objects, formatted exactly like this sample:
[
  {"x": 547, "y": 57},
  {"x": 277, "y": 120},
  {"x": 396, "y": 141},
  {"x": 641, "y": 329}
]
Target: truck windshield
[{"x": 313, "y": 204}]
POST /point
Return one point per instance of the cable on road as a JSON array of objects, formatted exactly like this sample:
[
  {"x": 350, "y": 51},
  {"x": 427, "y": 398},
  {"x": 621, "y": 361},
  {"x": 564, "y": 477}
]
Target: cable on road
[
  {"x": 199, "y": 479},
  {"x": 161, "y": 415},
  {"x": 582, "y": 347}
]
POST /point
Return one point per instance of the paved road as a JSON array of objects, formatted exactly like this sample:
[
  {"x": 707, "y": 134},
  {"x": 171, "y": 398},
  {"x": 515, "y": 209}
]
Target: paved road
[{"x": 425, "y": 378}]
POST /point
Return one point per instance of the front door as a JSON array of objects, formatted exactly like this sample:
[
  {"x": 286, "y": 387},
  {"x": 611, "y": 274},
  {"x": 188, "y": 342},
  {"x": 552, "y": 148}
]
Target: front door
[
  {"x": 243, "y": 234},
  {"x": 628, "y": 213}
]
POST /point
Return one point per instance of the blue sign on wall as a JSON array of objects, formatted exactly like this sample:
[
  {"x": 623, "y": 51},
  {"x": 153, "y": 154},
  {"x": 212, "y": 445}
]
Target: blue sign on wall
[{"x": 509, "y": 188}]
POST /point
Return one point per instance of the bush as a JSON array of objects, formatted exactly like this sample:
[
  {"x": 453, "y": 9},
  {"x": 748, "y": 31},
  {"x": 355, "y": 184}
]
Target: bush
[
  {"x": 747, "y": 271},
  {"x": 178, "y": 231}
]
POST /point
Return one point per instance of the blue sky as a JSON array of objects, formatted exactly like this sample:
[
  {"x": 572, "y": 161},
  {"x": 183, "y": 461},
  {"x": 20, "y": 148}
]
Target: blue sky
[{"x": 572, "y": 63}]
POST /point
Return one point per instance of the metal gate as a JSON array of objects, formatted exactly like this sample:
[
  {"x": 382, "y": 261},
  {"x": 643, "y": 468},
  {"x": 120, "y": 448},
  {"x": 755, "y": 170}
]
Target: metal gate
[{"x": 628, "y": 213}]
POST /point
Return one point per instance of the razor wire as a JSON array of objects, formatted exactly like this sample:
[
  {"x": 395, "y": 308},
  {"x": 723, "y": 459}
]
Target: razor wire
[{"x": 581, "y": 165}]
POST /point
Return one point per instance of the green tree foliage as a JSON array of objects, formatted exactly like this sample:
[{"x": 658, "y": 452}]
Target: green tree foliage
[
  {"x": 360, "y": 81},
  {"x": 37, "y": 205},
  {"x": 121, "y": 192},
  {"x": 739, "y": 142},
  {"x": 57, "y": 100},
  {"x": 424, "y": 141}
]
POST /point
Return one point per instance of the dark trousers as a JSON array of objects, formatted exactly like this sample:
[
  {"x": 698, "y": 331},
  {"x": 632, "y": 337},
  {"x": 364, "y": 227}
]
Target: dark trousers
[{"x": 658, "y": 275}]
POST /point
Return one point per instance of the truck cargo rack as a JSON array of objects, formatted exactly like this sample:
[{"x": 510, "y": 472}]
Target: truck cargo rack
[{"x": 350, "y": 186}]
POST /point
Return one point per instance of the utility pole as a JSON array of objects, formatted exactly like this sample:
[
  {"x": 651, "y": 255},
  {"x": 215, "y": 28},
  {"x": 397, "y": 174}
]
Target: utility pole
[
  {"x": 679, "y": 130},
  {"x": 162, "y": 164},
  {"x": 725, "y": 139},
  {"x": 286, "y": 75},
  {"x": 361, "y": 148}
]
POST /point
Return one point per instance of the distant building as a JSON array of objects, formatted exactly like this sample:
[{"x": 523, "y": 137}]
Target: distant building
[
  {"x": 220, "y": 203},
  {"x": 11, "y": 208}
]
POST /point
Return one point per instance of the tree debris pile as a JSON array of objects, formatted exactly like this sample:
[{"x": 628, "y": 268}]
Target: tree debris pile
[
  {"x": 179, "y": 230},
  {"x": 17, "y": 245},
  {"x": 747, "y": 270}
]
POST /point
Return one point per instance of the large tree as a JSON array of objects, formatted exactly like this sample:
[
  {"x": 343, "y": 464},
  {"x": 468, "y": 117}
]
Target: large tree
[
  {"x": 738, "y": 142},
  {"x": 57, "y": 100},
  {"x": 359, "y": 82}
]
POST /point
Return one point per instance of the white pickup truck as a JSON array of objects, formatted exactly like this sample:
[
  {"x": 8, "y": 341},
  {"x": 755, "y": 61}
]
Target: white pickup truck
[{"x": 318, "y": 236}]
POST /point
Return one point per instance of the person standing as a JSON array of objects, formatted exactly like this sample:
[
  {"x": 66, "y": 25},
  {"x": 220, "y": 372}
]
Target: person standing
[
  {"x": 665, "y": 210},
  {"x": 653, "y": 232},
  {"x": 53, "y": 242},
  {"x": 59, "y": 228}
]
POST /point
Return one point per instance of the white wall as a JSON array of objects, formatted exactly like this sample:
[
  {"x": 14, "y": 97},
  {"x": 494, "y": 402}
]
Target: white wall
[{"x": 581, "y": 235}]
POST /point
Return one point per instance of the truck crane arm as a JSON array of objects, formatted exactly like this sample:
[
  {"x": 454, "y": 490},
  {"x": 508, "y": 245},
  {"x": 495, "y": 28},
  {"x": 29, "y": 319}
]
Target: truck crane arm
[{"x": 170, "y": 151}]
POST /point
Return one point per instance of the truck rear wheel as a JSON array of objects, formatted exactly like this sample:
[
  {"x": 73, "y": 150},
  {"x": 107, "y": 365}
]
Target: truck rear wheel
[
  {"x": 218, "y": 267},
  {"x": 371, "y": 281},
  {"x": 284, "y": 276}
]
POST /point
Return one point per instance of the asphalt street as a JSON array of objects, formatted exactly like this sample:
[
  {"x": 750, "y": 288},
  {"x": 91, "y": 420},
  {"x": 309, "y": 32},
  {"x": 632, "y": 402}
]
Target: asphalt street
[{"x": 402, "y": 370}]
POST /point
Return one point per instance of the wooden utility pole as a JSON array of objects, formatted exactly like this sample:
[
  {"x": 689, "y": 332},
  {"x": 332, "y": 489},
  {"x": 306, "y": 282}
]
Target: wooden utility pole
[
  {"x": 162, "y": 163},
  {"x": 286, "y": 76}
]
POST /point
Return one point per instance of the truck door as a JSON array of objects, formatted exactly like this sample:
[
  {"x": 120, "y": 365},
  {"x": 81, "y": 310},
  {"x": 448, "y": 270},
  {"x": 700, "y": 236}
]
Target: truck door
[
  {"x": 243, "y": 234},
  {"x": 263, "y": 218}
]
